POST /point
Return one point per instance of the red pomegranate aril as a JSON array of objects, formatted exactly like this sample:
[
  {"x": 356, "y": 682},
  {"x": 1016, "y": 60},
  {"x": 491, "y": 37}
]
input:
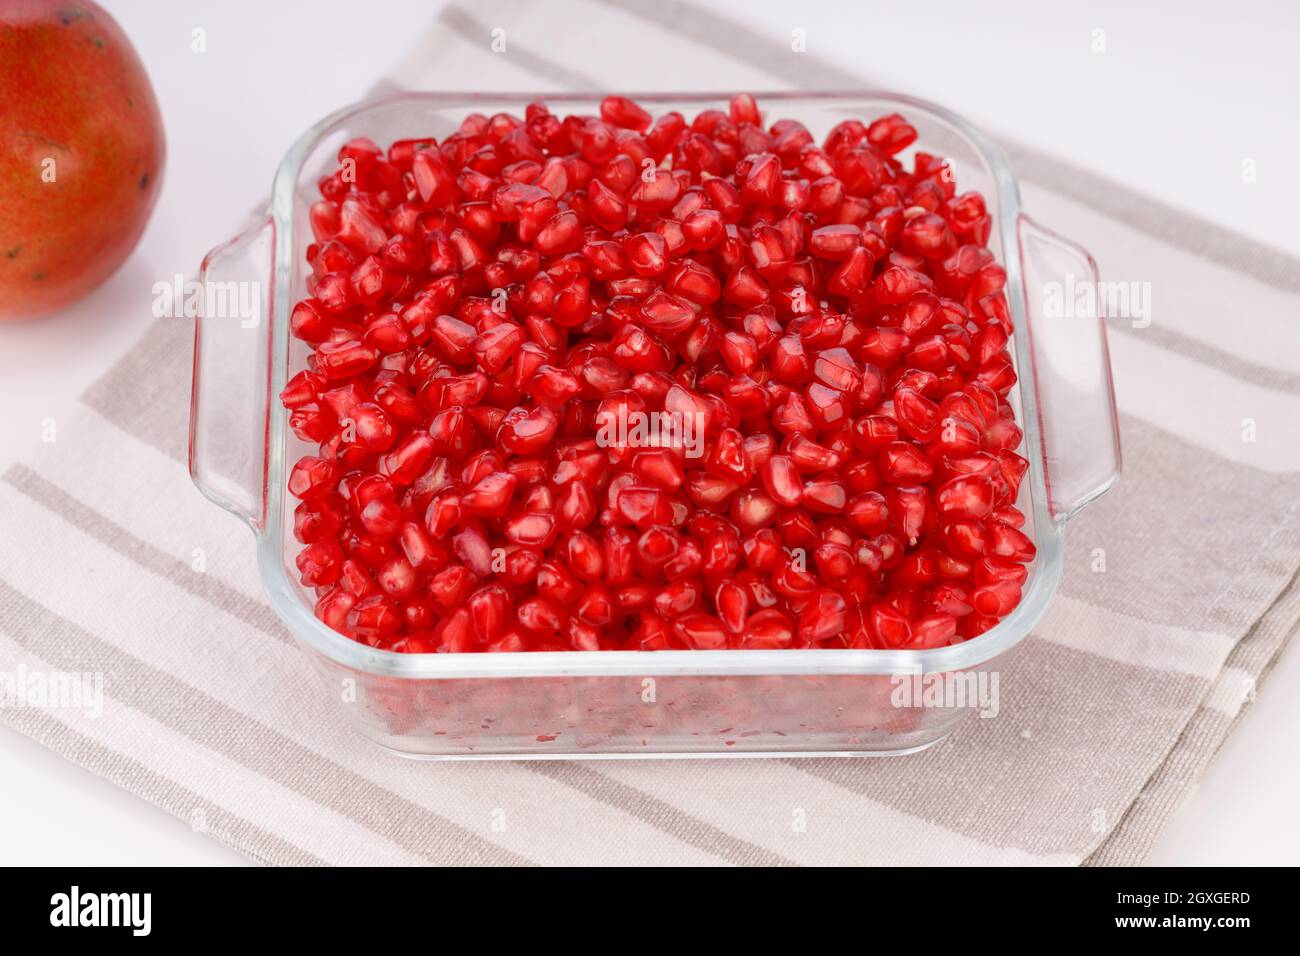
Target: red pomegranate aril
[
  {"x": 311, "y": 422},
  {"x": 316, "y": 519},
  {"x": 824, "y": 618},
  {"x": 810, "y": 456},
  {"x": 381, "y": 518},
  {"x": 540, "y": 616},
  {"x": 1002, "y": 435},
  {"x": 659, "y": 467},
  {"x": 891, "y": 134},
  {"x": 782, "y": 481},
  {"x": 788, "y": 361},
  {"x": 916, "y": 414},
  {"x": 397, "y": 578},
  {"x": 728, "y": 458},
  {"x": 311, "y": 477},
  {"x": 373, "y": 427},
  {"x": 524, "y": 432},
  {"x": 827, "y": 407},
  {"x": 333, "y": 608},
  {"x": 700, "y": 632},
  {"x": 490, "y": 496},
  {"x": 686, "y": 563},
  {"x": 556, "y": 584},
  {"x": 902, "y": 463},
  {"x": 820, "y": 330},
  {"x": 340, "y": 360},
  {"x": 319, "y": 563},
  {"x": 909, "y": 506},
  {"x": 647, "y": 253},
  {"x": 419, "y": 548},
  {"x": 489, "y": 611},
  {"x": 768, "y": 629},
  {"x": 745, "y": 288},
  {"x": 303, "y": 388},
  {"x": 1008, "y": 542},
  {"x": 695, "y": 283},
  {"x": 835, "y": 562},
  {"x": 453, "y": 338},
  {"x": 966, "y": 497},
  {"x": 703, "y": 229},
  {"x": 835, "y": 368},
  {"x": 890, "y": 627},
  {"x": 388, "y": 334},
  {"x": 585, "y": 556},
  {"x": 531, "y": 530},
  {"x": 934, "y": 630},
  {"x": 824, "y": 495},
  {"x": 967, "y": 539},
  {"x": 996, "y": 599},
  {"x": 655, "y": 189},
  {"x": 868, "y": 513},
  {"x": 374, "y": 618},
  {"x": 835, "y": 241},
  {"x": 358, "y": 227},
  {"x": 495, "y": 347},
  {"x": 471, "y": 546},
  {"x": 989, "y": 570},
  {"x": 667, "y": 314},
  {"x": 732, "y": 602},
  {"x": 405, "y": 462}
]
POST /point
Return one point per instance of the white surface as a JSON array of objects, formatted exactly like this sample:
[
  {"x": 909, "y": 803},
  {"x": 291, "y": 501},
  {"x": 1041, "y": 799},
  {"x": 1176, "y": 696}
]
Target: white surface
[
  {"x": 1183, "y": 93},
  {"x": 1176, "y": 103}
]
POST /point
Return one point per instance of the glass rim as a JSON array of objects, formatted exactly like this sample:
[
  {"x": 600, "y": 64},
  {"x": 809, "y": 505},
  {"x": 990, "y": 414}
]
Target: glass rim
[{"x": 1045, "y": 573}]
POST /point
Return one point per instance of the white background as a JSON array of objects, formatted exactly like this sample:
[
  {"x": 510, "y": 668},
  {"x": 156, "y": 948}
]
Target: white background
[{"x": 1183, "y": 94}]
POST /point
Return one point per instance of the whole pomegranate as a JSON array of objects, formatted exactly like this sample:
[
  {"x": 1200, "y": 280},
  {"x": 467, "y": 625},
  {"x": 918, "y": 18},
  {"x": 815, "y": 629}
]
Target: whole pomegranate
[{"x": 81, "y": 152}]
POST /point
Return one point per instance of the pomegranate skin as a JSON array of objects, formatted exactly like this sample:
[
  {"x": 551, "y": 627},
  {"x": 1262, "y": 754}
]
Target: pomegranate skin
[{"x": 78, "y": 110}]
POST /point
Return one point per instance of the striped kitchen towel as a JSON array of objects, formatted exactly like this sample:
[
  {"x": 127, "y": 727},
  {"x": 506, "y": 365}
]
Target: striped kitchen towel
[{"x": 113, "y": 565}]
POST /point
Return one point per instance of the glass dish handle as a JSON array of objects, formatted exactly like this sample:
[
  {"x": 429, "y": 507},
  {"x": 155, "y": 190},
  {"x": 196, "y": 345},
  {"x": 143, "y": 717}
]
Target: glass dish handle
[
  {"x": 228, "y": 404},
  {"x": 1075, "y": 391}
]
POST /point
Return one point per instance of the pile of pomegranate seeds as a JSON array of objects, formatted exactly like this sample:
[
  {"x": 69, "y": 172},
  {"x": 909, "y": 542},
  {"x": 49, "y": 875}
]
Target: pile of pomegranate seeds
[{"x": 619, "y": 382}]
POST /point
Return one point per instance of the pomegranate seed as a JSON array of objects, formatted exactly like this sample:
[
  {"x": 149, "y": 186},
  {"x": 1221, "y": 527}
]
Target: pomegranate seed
[
  {"x": 700, "y": 631},
  {"x": 782, "y": 481},
  {"x": 311, "y": 477},
  {"x": 966, "y": 497},
  {"x": 824, "y": 618},
  {"x": 996, "y": 599},
  {"x": 821, "y": 327},
  {"x": 768, "y": 629}
]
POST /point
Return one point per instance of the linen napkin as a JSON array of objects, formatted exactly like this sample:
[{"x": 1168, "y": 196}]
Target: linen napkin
[{"x": 1180, "y": 586}]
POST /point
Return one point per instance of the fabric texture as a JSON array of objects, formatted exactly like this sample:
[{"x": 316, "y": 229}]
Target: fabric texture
[{"x": 112, "y": 563}]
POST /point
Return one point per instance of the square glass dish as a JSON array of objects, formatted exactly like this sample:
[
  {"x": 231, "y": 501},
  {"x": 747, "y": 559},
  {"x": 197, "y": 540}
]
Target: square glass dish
[{"x": 639, "y": 703}]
